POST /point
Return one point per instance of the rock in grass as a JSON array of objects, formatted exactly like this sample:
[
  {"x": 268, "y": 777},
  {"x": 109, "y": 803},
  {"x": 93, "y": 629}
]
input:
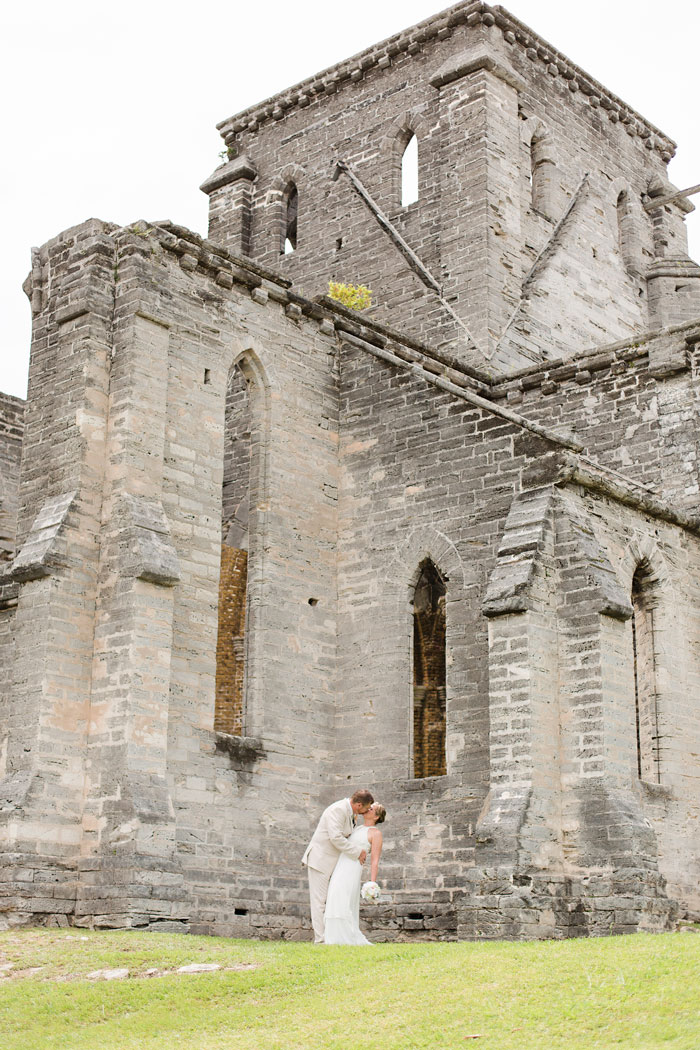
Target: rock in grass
[
  {"x": 108, "y": 975},
  {"x": 199, "y": 968}
]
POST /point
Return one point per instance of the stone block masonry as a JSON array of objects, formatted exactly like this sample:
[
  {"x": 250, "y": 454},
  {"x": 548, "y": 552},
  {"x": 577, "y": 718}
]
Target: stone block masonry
[
  {"x": 531, "y": 183},
  {"x": 263, "y": 550},
  {"x": 11, "y": 433},
  {"x": 358, "y": 471},
  {"x": 138, "y": 729}
]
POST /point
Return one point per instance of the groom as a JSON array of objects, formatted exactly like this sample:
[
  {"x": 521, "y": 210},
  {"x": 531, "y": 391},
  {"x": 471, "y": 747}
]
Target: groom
[{"x": 328, "y": 841}]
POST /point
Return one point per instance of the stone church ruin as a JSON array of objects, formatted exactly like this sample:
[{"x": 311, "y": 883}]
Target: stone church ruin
[{"x": 258, "y": 548}]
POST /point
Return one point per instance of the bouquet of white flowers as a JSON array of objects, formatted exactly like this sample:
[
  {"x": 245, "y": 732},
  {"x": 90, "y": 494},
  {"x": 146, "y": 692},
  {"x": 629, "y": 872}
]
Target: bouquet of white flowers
[{"x": 370, "y": 892}]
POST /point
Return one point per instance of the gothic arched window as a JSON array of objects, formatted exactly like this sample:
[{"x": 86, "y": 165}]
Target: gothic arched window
[
  {"x": 233, "y": 579},
  {"x": 645, "y": 701},
  {"x": 429, "y": 673}
]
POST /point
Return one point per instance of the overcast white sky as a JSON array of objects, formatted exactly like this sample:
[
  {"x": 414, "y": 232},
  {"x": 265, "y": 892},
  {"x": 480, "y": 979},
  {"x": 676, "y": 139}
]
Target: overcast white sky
[{"x": 110, "y": 109}]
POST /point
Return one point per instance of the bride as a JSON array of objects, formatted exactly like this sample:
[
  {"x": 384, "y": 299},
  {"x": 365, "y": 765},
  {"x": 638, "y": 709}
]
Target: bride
[{"x": 342, "y": 917}]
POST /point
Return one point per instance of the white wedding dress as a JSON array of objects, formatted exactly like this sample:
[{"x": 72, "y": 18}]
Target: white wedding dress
[{"x": 342, "y": 916}]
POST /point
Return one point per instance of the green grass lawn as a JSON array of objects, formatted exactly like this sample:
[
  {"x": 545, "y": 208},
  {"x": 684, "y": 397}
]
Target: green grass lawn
[{"x": 640, "y": 992}]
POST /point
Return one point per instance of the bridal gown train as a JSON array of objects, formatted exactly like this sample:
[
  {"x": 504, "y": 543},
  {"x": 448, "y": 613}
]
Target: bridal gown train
[{"x": 342, "y": 916}]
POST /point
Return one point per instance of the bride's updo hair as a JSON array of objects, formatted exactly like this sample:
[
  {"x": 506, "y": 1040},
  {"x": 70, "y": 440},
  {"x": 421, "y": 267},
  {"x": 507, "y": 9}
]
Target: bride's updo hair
[{"x": 380, "y": 812}]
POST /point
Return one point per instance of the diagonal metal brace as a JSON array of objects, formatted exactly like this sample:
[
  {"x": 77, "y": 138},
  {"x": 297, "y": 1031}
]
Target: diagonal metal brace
[
  {"x": 544, "y": 254},
  {"x": 342, "y": 167},
  {"x": 659, "y": 202}
]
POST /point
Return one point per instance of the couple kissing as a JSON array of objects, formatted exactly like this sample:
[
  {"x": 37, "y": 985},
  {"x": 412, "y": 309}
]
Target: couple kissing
[{"x": 334, "y": 858}]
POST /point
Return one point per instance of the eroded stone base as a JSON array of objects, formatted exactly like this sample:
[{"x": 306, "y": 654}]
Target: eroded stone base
[{"x": 505, "y": 905}]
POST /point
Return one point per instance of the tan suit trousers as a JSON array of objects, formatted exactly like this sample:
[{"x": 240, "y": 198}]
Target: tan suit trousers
[{"x": 318, "y": 891}]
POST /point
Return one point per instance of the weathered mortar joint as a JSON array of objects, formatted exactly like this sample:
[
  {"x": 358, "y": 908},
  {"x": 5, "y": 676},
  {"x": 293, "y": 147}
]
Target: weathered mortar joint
[{"x": 141, "y": 799}]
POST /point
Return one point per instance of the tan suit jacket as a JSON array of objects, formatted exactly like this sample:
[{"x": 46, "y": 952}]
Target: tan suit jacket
[{"x": 330, "y": 838}]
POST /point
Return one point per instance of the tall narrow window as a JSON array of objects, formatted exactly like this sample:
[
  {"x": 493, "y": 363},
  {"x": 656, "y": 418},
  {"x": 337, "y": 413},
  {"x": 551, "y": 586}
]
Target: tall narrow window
[
  {"x": 646, "y": 716},
  {"x": 409, "y": 172},
  {"x": 290, "y": 214},
  {"x": 429, "y": 673},
  {"x": 532, "y": 169},
  {"x": 233, "y": 579}
]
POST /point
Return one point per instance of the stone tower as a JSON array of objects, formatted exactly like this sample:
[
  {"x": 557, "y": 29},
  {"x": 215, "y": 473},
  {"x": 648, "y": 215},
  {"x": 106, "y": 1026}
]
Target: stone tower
[
  {"x": 268, "y": 548},
  {"x": 534, "y": 207}
]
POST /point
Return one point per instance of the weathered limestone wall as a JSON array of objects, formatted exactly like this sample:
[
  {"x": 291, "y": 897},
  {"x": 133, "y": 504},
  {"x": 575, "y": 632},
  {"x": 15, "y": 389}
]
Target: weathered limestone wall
[
  {"x": 507, "y": 129},
  {"x": 607, "y": 855},
  {"x": 11, "y": 431},
  {"x": 158, "y": 818},
  {"x": 671, "y": 800},
  {"x": 425, "y": 475},
  {"x": 632, "y": 406},
  {"x": 182, "y": 397},
  {"x": 57, "y": 565},
  {"x": 357, "y": 470},
  {"x": 244, "y": 807}
]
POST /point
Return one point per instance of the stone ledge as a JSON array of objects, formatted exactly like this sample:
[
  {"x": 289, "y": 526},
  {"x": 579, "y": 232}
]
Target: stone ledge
[
  {"x": 595, "y": 359},
  {"x": 239, "y": 168},
  {"x": 244, "y": 751},
  {"x": 473, "y": 62}
]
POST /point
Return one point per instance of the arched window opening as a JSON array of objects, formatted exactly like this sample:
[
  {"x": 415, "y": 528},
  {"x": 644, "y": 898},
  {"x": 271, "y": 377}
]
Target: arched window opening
[
  {"x": 429, "y": 673},
  {"x": 291, "y": 211},
  {"x": 233, "y": 580},
  {"x": 409, "y": 173},
  {"x": 645, "y": 702}
]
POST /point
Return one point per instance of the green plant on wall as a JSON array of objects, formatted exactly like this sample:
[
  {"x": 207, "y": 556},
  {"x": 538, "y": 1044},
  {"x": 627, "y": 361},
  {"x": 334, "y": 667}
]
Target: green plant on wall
[{"x": 355, "y": 297}]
